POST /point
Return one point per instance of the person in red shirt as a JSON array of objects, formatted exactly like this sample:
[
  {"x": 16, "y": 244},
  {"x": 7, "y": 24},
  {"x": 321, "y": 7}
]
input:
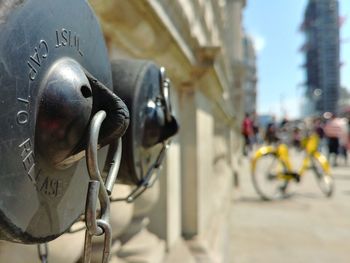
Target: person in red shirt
[{"x": 247, "y": 132}]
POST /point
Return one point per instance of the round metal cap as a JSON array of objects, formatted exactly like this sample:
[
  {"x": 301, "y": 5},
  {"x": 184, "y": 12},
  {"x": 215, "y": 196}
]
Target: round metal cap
[{"x": 45, "y": 106}]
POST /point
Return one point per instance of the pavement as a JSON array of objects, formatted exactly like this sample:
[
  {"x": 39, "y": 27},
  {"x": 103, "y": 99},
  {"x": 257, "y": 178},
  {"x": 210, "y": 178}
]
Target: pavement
[{"x": 307, "y": 227}]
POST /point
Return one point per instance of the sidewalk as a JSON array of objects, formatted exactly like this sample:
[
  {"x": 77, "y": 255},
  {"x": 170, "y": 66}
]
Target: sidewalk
[{"x": 306, "y": 228}]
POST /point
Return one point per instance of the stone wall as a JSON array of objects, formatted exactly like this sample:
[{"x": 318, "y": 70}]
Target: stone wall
[
  {"x": 200, "y": 44},
  {"x": 185, "y": 217}
]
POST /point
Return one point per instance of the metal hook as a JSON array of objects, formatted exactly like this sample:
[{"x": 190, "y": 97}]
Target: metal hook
[
  {"x": 91, "y": 209},
  {"x": 114, "y": 168},
  {"x": 92, "y": 162},
  {"x": 165, "y": 92}
]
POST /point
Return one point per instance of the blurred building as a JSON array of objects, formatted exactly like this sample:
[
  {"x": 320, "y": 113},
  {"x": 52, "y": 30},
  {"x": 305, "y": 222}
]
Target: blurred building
[
  {"x": 321, "y": 29},
  {"x": 250, "y": 89},
  {"x": 344, "y": 101}
]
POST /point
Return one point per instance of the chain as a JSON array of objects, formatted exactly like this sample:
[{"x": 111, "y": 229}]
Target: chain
[
  {"x": 149, "y": 179},
  {"x": 43, "y": 252},
  {"x": 97, "y": 224},
  {"x": 113, "y": 167}
]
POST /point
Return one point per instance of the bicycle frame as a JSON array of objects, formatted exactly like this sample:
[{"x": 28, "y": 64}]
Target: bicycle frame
[
  {"x": 311, "y": 149},
  {"x": 281, "y": 151}
]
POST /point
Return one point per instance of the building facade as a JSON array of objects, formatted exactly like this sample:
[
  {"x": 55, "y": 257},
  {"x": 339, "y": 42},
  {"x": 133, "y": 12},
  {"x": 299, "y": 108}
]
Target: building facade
[
  {"x": 200, "y": 43},
  {"x": 321, "y": 29},
  {"x": 250, "y": 84}
]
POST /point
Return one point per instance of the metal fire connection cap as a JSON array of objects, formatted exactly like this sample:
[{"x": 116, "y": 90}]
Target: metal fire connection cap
[
  {"x": 64, "y": 111},
  {"x": 45, "y": 108},
  {"x": 139, "y": 84}
]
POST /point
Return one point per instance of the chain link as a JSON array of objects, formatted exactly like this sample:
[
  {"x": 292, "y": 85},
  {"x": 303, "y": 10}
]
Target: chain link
[
  {"x": 97, "y": 223},
  {"x": 43, "y": 252},
  {"x": 149, "y": 179},
  {"x": 113, "y": 168}
]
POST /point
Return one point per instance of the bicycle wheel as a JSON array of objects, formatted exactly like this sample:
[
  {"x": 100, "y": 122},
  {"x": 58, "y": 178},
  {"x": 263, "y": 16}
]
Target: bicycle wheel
[
  {"x": 324, "y": 178},
  {"x": 266, "y": 181}
]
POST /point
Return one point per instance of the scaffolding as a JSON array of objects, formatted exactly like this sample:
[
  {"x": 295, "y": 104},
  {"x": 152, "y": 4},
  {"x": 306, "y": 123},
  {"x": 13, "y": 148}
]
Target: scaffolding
[{"x": 322, "y": 62}]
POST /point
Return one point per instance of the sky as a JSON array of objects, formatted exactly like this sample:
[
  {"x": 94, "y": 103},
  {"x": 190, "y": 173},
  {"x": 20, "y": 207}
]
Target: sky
[{"x": 274, "y": 28}]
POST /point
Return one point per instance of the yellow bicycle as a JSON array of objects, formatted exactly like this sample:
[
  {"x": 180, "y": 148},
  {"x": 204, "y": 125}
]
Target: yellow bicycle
[{"x": 272, "y": 170}]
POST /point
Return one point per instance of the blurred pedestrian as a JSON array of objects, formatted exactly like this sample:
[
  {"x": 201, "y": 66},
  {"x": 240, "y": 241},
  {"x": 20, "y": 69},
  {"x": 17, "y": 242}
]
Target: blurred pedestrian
[
  {"x": 333, "y": 132},
  {"x": 296, "y": 138},
  {"x": 256, "y": 130},
  {"x": 343, "y": 139},
  {"x": 247, "y": 132},
  {"x": 283, "y": 134},
  {"x": 319, "y": 130},
  {"x": 271, "y": 132}
]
